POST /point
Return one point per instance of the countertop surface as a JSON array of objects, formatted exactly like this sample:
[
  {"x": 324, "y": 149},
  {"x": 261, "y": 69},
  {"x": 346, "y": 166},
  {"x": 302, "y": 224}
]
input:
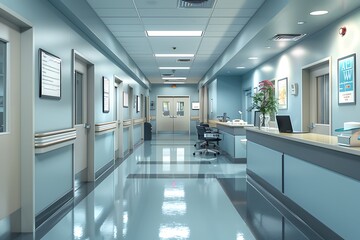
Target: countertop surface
[
  {"x": 324, "y": 141},
  {"x": 234, "y": 125}
]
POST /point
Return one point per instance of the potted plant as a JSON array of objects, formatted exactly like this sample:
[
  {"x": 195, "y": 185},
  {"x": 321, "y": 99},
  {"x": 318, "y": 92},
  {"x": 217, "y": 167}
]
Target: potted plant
[{"x": 265, "y": 102}]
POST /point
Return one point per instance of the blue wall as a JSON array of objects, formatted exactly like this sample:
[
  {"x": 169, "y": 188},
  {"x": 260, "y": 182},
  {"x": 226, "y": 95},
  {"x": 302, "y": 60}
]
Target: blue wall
[
  {"x": 56, "y": 34},
  {"x": 225, "y": 96},
  {"x": 323, "y": 44}
]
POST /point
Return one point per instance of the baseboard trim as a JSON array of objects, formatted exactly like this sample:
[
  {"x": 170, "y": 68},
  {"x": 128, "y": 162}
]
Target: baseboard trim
[{"x": 53, "y": 208}]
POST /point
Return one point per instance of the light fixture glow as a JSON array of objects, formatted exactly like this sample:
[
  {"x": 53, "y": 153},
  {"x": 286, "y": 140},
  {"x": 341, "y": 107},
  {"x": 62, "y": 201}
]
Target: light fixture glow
[
  {"x": 174, "y": 33},
  {"x": 174, "y": 82},
  {"x": 300, "y": 22},
  {"x": 319, "y": 13},
  {"x": 175, "y": 68},
  {"x": 241, "y": 67},
  {"x": 253, "y": 58},
  {"x": 174, "y": 55},
  {"x": 174, "y": 78}
]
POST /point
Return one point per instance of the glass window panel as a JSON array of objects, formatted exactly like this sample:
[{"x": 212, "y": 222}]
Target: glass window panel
[
  {"x": 78, "y": 98},
  {"x": 180, "y": 108},
  {"x": 166, "y": 108},
  {"x": 2, "y": 86}
]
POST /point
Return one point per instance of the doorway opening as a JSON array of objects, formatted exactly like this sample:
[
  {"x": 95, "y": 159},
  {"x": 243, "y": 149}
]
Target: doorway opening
[
  {"x": 316, "y": 97},
  {"x": 173, "y": 114},
  {"x": 83, "y": 119}
]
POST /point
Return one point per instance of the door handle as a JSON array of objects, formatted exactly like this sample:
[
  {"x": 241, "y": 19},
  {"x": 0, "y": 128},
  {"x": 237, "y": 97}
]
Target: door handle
[{"x": 87, "y": 126}]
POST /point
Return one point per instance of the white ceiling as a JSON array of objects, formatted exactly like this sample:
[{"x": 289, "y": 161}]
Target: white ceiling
[{"x": 222, "y": 25}]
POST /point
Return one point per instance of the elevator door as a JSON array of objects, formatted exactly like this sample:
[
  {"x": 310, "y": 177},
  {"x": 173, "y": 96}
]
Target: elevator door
[{"x": 173, "y": 114}]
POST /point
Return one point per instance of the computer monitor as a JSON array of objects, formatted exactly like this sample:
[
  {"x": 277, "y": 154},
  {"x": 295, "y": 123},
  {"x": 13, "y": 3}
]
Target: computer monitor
[{"x": 284, "y": 123}]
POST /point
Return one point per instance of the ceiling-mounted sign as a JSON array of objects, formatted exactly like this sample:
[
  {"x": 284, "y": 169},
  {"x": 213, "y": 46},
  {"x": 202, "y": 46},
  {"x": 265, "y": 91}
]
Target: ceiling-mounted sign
[{"x": 50, "y": 75}]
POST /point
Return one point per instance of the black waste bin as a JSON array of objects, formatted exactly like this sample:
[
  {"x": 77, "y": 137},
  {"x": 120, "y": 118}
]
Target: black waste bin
[{"x": 147, "y": 131}]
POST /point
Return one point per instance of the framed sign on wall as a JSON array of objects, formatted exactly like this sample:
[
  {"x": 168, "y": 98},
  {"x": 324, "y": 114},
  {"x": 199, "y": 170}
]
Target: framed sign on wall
[
  {"x": 106, "y": 95},
  {"x": 125, "y": 100},
  {"x": 347, "y": 79},
  {"x": 50, "y": 75},
  {"x": 282, "y": 85}
]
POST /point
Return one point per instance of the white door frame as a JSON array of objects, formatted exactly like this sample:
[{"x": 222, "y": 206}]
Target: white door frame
[
  {"x": 90, "y": 115},
  {"x": 119, "y": 118},
  {"x": 306, "y": 93}
]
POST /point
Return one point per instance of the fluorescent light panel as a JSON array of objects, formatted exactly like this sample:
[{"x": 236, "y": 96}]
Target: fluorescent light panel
[
  {"x": 174, "y": 55},
  {"x": 174, "y": 33},
  {"x": 175, "y": 68},
  {"x": 319, "y": 13},
  {"x": 174, "y": 78},
  {"x": 174, "y": 82}
]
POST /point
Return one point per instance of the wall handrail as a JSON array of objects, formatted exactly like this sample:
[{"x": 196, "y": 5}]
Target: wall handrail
[
  {"x": 47, "y": 141},
  {"x": 45, "y": 134},
  {"x": 105, "y": 127}
]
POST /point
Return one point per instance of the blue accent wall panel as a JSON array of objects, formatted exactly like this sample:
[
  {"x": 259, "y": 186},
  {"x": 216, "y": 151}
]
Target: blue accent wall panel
[
  {"x": 137, "y": 133},
  {"x": 266, "y": 163},
  {"x": 321, "y": 192},
  {"x": 53, "y": 176},
  {"x": 126, "y": 133},
  {"x": 104, "y": 150},
  {"x": 229, "y": 88}
]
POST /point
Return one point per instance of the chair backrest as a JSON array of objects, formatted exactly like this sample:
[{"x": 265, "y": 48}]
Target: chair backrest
[
  {"x": 204, "y": 124},
  {"x": 200, "y": 132}
]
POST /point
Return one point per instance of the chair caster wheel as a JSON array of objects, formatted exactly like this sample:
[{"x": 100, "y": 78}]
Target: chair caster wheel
[
  {"x": 218, "y": 153},
  {"x": 194, "y": 145},
  {"x": 215, "y": 154},
  {"x": 193, "y": 154},
  {"x": 200, "y": 153}
]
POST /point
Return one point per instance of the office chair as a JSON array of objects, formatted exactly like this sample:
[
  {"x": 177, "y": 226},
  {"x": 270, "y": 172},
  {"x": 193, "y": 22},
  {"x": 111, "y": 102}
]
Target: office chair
[
  {"x": 201, "y": 141},
  {"x": 209, "y": 137}
]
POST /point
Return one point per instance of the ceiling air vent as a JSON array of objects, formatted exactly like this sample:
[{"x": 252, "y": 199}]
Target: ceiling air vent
[
  {"x": 288, "y": 37},
  {"x": 183, "y": 60},
  {"x": 196, "y": 3}
]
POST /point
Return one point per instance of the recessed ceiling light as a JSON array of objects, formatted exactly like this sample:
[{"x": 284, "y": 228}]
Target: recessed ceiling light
[
  {"x": 319, "y": 13},
  {"x": 301, "y": 22},
  {"x": 175, "y": 68},
  {"x": 253, "y": 58},
  {"x": 174, "y": 55},
  {"x": 174, "y": 33},
  {"x": 174, "y": 78},
  {"x": 241, "y": 67},
  {"x": 268, "y": 47}
]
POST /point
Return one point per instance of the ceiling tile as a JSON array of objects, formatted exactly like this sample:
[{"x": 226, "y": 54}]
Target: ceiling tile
[
  {"x": 125, "y": 28},
  {"x": 228, "y": 20},
  {"x": 234, "y": 12},
  {"x": 175, "y": 21},
  {"x": 231, "y": 4},
  {"x": 111, "y": 4},
  {"x": 165, "y": 27},
  {"x": 225, "y": 28},
  {"x": 182, "y": 44},
  {"x": 119, "y": 34},
  {"x": 156, "y": 4},
  {"x": 121, "y": 20},
  {"x": 220, "y": 34},
  {"x": 175, "y": 13},
  {"x": 116, "y": 12}
]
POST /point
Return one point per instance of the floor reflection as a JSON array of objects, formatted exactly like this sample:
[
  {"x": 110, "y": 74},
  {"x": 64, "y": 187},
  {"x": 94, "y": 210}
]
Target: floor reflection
[
  {"x": 161, "y": 191},
  {"x": 264, "y": 220}
]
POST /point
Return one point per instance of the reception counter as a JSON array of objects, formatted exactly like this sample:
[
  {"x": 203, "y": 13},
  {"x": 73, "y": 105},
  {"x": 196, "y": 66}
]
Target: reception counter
[
  {"x": 314, "y": 177},
  {"x": 233, "y": 140}
]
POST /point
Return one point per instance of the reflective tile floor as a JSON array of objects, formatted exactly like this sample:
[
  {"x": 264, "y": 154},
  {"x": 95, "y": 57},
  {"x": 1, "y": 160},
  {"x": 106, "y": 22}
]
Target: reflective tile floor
[{"x": 162, "y": 191}]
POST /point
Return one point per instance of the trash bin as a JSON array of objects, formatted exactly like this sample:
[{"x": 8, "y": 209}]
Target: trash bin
[{"x": 147, "y": 131}]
